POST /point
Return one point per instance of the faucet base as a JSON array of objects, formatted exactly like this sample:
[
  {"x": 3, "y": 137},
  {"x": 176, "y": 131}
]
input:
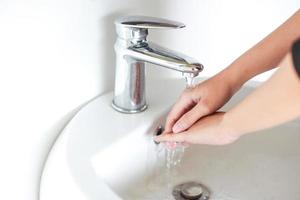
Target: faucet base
[{"x": 126, "y": 111}]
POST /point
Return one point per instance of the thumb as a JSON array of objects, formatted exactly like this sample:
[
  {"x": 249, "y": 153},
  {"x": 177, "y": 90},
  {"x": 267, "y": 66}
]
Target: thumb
[{"x": 189, "y": 118}]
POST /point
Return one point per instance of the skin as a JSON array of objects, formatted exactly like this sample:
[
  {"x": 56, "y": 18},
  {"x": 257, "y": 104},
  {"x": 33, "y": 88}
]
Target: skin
[{"x": 193, "y": 116}]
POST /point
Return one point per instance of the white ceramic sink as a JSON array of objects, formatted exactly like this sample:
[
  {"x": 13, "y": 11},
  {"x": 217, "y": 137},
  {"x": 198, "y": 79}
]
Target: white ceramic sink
[{"x": 103, "y": 154}]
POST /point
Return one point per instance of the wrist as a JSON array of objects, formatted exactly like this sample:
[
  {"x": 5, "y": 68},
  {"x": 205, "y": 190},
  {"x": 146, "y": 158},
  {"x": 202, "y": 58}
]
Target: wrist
[{"x": 232, "y": 78}]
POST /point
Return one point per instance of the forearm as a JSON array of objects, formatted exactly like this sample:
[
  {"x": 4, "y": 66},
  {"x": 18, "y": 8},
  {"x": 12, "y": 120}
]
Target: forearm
[
  {"x": 265, "y": 55},
  {"x": 275, "y": 102}
]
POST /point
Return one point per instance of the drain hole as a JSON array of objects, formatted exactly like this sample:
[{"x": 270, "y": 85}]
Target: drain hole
[
  {"x": 190, "y": 191},
  {"x": 158, "y": 131}
]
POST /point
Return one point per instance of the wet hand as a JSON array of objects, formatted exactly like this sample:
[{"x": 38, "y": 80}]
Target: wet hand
[
  {"x": 209, "y": 130},
  {"x": 197, "y": 102}
]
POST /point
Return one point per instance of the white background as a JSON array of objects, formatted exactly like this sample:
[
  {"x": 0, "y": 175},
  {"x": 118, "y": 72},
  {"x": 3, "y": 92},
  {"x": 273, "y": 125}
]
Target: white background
[{"x": 57, "y": 54}]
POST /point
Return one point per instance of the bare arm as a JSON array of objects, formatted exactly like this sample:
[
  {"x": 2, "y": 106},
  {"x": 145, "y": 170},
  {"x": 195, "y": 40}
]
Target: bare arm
[
  {"x": 275, "y": 102},
  {"x": 266, "y": 54},
  {"x": 210, "y": 95}
]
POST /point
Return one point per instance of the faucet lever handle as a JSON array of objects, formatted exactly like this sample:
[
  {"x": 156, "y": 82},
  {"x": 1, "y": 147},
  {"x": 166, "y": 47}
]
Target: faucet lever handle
[{"x": 144, "y": 22}]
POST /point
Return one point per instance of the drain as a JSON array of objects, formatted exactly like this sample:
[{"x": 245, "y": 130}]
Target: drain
[{"x": 190, "y": 191}]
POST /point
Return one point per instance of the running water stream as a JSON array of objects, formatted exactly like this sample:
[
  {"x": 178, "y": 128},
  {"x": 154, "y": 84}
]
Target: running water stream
[
  {"x": 173, "y": 153},
  {"x": 168, "y": 160},
  {"x": 189, "y": 80}
]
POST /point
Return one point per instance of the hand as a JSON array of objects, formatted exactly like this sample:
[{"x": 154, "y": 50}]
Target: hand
[
  {"x": 209, "y": 130},
  {"x": 197, "y": 102}
]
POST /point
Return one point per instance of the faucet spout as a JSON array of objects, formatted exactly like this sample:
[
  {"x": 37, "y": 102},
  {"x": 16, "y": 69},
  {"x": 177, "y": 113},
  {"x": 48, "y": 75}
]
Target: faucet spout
[{"x": 155, "y": 54}]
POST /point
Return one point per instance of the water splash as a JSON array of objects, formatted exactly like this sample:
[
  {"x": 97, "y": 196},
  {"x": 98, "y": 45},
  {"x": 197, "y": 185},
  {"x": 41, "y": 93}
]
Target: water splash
[
  {"x": 172, "y": 159},
  {"x": 165, "y": 173}
]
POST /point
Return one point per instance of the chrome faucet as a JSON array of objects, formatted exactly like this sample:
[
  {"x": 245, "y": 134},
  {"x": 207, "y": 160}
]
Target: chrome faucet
[{"x": 133, "y": 51}]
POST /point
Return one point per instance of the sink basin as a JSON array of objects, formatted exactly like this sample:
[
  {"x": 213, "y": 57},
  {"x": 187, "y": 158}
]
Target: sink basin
[{"x": 103, "y": 154}]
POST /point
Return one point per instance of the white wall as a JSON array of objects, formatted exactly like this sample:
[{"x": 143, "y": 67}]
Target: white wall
[{"x": 57, "y": 54}]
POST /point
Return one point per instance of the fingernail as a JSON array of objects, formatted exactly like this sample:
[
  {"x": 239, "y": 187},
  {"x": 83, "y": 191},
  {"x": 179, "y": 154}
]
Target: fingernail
[{"x": 177, "y": 128}]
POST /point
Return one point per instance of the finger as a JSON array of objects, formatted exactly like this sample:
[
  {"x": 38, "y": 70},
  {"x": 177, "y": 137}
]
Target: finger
[
  {"x": 171, "y": 137},
  {"x": 182, "y": 106},
  {"x": 189, "y": 118}
]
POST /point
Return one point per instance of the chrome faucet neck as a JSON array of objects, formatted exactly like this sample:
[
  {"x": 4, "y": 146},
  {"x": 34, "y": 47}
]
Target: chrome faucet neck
[{"x": 133, "y": 51}]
